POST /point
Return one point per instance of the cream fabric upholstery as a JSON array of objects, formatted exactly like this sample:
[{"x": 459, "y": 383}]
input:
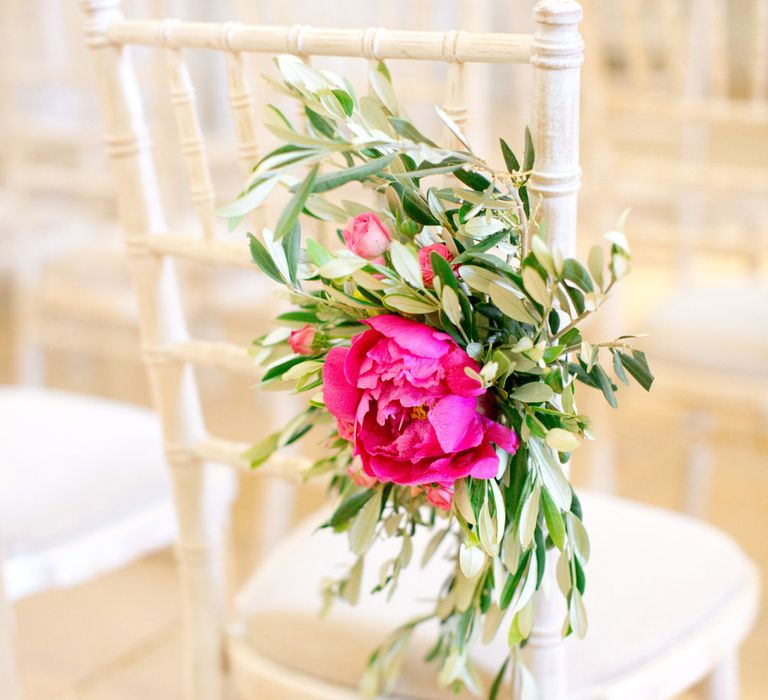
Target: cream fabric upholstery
[
  {"x": 83, "y": 487},
  {"x": 704, "y": 323},
  {"x": 635, "y": 617}
]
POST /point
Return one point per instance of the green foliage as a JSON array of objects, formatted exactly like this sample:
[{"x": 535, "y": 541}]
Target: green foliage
[
  {"x": 515, "y": 304},
  {"x": 262, "y": 258},
  {"x": 349, "y": 508},
  {"x": 332, "y": 181},
  {"x": 290, "y": 214}
]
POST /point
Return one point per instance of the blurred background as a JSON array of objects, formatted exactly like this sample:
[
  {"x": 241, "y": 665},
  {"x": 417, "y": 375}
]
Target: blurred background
[{"x": 675, "y": 127}]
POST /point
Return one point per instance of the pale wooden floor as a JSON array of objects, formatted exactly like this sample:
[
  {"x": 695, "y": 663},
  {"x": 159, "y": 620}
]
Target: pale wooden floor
[{"x": 117, "y": 637}]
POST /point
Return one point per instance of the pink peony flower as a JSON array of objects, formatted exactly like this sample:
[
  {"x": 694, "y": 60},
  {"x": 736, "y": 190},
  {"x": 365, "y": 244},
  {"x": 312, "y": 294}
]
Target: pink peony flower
[
  {"x": 440, "y": 496},
  {"x": 427, "y": 273},
  {"x": 301, "y": 340},
  {"x": 401, "y": 395},
  {"x": 366, "y": 236}
]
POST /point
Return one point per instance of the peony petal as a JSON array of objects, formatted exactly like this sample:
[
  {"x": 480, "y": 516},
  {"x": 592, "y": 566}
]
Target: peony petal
[
  {"x": 418, "y": 441},
  {"x": 504, "y": 437},
  {"x": 457, "y": 379},
  {"x": 389, "y": 469},
  {"x": 361, "y": 346},
  {"x": 484, "y": 463},
  {"x": 339, "y": 395},
  {"x": 454, "y": 419},
  {"x": 412, "y": 336}
]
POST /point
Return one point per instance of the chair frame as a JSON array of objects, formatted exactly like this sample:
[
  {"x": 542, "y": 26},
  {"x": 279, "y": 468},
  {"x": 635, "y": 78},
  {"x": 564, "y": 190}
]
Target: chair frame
[{"x": 555, "y": 54}]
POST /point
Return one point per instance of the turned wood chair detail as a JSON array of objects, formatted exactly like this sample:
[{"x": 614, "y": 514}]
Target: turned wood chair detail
[{"x": 554, "y": 53}]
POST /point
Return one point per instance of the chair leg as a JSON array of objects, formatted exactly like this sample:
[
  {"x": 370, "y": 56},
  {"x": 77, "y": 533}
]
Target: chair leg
[
  {"x": 723, "y": 681},
  {"x": 700, "y": 465},
  {"x": 545, "y": 652},
  {"x": 201, "y": 513},
  {"x": 9, "y": 685}
]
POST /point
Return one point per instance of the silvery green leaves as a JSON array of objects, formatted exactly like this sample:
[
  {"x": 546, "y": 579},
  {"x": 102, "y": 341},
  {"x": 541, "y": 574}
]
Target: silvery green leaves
[
  {"x": 296, "y": 428},
  {"x": 279, "y": 261},
  {"x": 491, "y": 281},
  {"x": 548, "y": 515},
  {"x": 406, "y": 264},
  {"x": 520, "y": 173},
  {"x": 338, "y": 123},
  {"x": 566, "y": 293}
]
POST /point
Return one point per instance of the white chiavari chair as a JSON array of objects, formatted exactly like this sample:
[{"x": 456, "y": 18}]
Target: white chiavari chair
[
  {"x": 680, "y": 132},
  {"x": 653, "y": 634},
  {"x": 61, "y": 521}
]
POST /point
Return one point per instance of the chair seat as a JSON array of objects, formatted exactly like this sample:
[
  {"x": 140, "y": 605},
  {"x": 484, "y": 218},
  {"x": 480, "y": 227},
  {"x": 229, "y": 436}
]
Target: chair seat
[
  {"x": 721, "y": 325},
  {"x": 84, "y": 487},
  {"x": 660, "y": 586}
]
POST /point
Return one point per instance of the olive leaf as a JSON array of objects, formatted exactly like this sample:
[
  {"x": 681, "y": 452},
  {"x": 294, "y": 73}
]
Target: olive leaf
[
  {"x": 406, "y": 264},
  {"x": 290, "y": 214}
]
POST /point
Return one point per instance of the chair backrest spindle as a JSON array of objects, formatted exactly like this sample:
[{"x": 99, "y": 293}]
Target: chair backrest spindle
[
  {"x": 455, "y": 105},
  {"x": 558, "y": 52},
  {"x": 162, "y": 323},
  {"x": 191, "y": 140}
]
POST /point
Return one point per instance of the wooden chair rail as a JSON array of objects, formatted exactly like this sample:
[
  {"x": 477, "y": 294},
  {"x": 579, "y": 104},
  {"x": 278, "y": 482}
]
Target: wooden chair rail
[
  {"x": 227, "y": 357},
  {"x": 230, "y": 452},
  {"x": 372, "y": 43},
  {"x": 205, "y": 251}
]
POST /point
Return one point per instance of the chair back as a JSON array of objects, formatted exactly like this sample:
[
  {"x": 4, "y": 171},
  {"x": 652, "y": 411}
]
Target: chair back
[
  {"x": 678, "y": 80},
  {"x": 554, "y": 53}
]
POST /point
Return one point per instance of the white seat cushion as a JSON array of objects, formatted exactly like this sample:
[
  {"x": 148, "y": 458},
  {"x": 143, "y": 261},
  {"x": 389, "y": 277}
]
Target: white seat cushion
[
  {"x": 720, "y": 325},
  {"x": 656, "y": 579},
  {"x": 84, "y": 487}
]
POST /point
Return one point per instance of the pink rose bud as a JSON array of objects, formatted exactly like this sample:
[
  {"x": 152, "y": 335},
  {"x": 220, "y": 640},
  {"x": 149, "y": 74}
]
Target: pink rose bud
[
  {"x": 301, "y": 340},
  {"x": 366, "y": 236},
  {"x": 425, "y": 262}
]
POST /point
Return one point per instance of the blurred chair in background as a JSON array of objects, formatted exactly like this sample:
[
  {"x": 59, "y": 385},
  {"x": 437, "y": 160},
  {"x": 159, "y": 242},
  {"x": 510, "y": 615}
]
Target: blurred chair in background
[
  {"x": 58, "y": 200},
  {"x": 83, "y": 490},
  {"x": 694, "y": 637},
  {"x": 68, "y": 282},
  {"x": 677, "y": 119}
]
